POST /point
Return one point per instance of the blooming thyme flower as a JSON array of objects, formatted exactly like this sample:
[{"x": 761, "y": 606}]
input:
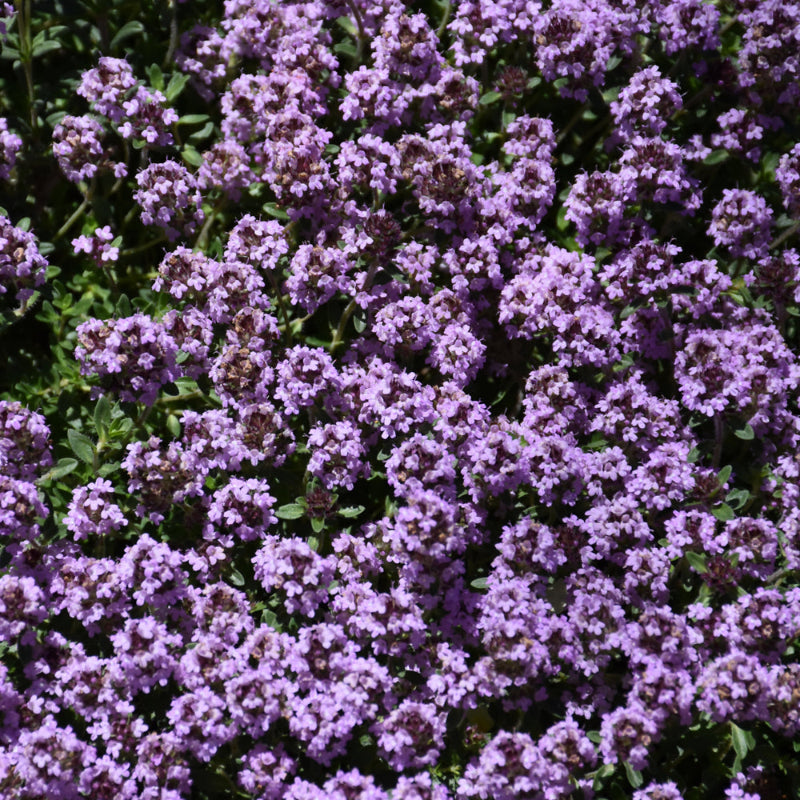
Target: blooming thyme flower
[
  {"x": 226, "y": 166},
  {"x": 22, "y": 266},
  {"x": 24, "y": 441},
  {"x": 787, "y": 174},
  {"x": 98, "y": 246},
  {"x": 107, "y": 86},
  {"x": 646, "y": 103},
  {"x": 243, "y": 507},
  {"x": 10, "y": 145},
  {"x": 741, "y": 222},
  {"x": 133, "y": 356},
  {"x": 91, "y": 513},
  {"x": 168, "y": 197}
]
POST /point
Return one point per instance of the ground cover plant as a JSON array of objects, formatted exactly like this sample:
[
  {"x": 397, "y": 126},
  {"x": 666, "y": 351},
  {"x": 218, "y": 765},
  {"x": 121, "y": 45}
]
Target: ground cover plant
[{"x": 399, "y": 400}]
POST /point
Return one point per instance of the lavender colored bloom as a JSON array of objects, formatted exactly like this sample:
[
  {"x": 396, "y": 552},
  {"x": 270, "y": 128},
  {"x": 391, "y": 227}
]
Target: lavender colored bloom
[
  {"x": 412, "y": 736},
  {"x": 145, "y": 652},
  {"x": 226, "y": 166},
  {"x": 747, "y": 369},
  {"x": 265, "y": 772},
  {"x": 132, "y": 356},
  {"x": 292, "y": 568},
  {"x": 627, "y": 734},
  {"x": 168, "y": 197},
  {"x": 316, "y": 275},
  {"x": 505, "y": 769},
  {"x": 163, "y": 476},
  {"x": 24, "y": 442},
  {"x": 646, "y": 103},
  {"x": 337, "y": 454},
  {"x": 107, "y": 86},
  {"x": 22, "y": 606},
  {"x": 555, "y": 293},
  {"x": 244, "y": 507},
  {"x": 599, "y": 205},
  {"x": 146, "y": 117},
  {"x": 261, "y": 243},
  {"x": 10, "y": 145},
  {"x": 304, "y": 375},
  {"x": 685, "y": 24},
  {"x": 658, "y": 791},
  {"x": 199, "y": 56},
  {"x": 20, "y": 508},
  {"x": 90, "y": 512},
  {"x": 741, "y": 222},
  {"x": 98, "y": 246},
  {"x": 22, "y": 266},
  {"x": 198, "y": 720},
  {"x": 742, "y": 132},
  {"x": 732, "y": 688},
  {"x": 787, "y": 174},
  {"x": 419, "y": 787}
]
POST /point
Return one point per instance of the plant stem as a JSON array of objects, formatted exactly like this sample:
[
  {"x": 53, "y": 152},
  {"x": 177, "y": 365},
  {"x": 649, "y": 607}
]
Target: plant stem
[
  {"x": 76, "y": 215},
  {"x": 790, "y": 231}
]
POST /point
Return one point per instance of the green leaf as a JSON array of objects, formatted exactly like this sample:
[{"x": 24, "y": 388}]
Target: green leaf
[
  {"x": 81, "y": 445},
  {"x": 317, "y": 524},
  {"x": 740, "y": 740},
  {"x": 737, "y": 498},
  {"x": 123, "y": 308},
  {"x": 747, "y": 433},
  {"x": 129, "y": 29},
  {"x": 489, "y": 98},
  {"x": 191, "y": 156},
  {"x": 236, "y": 577},
  {"x": 274, "y": 211},
  {"x": 346, "y": 48},
  {"x": 45, "y": 47},
  {"x": 346, "y": 24},
  {"x": 269, "y": 617},
  {"x": 109, "y": 468},
  {"x": 723, "y": 512},
  {"x": 697, "y": 562},
  {"x": 290, "y": 511},
  {"x": 102, "y": 415},
  {"x": 156, "y": 77},
  {"x": 724, "y": 474},
  {"x": 174, "y": 426},
  {"x": 62, "y": 468},
  {"x": 193, "y": 119},
  {"x": 716, "y": 157},
  {"x": 634, "y": 776},
  {"x": 350, "y": 511},
  {"x": 479, "y": 583},
  {"x": 176, "y": 85}
]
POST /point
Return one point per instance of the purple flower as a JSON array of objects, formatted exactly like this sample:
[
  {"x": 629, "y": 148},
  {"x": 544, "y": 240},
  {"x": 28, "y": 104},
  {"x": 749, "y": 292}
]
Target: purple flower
[
  {"x": 22, "y": 266},
  {"x": 24, "y": 442},
  {"x": 90, "y": 512},
  {"x": 337, "y": 454},
  {"x": 107, "y": 86},
  {"x": 10, "y": 145},
  {"x": 291, "y": 568},
  {"x": 244, "y": 507},
  {"x": 741, "y": 222},
  {"x": 646, "y": 103},
  {"x": 168, "y": 197},
  {"x": 98, "y": 246},
  {"x": 132, "y": 356},
  {"x": 412, "y": 736}
]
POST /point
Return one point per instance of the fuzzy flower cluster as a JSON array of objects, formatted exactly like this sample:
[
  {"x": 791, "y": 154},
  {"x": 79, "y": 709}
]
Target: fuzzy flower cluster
[{"x": 456, "y": 457}]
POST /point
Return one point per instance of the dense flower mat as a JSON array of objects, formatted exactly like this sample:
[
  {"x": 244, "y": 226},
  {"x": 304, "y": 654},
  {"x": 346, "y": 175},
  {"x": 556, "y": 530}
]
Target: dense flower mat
[{"x": 399, "y": 401}]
